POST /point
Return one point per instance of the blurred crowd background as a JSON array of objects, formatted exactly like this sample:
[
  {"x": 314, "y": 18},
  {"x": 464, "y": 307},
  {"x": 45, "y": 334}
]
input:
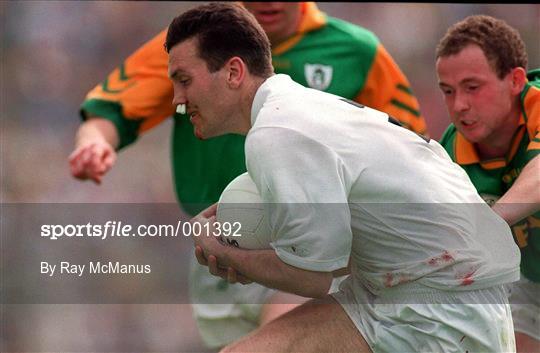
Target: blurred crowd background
[{"x": 53, "y": 52}]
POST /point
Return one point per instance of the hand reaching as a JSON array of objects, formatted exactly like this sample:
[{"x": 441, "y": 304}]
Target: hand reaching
[{"x": 92, "y": 161}]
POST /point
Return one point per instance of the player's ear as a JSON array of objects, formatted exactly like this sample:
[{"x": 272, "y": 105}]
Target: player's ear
[
  {"x": 518, "y": 78},
  {"x": 236, "y": 71}
]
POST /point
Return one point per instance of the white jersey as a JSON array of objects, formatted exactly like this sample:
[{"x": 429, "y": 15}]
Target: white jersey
[{"x": 342, "y": 181}]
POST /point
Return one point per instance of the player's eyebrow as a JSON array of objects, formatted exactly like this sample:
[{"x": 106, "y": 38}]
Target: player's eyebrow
[
  {"x": 176, "y": 73},
  {"x": 462, "y": 82},
  {"x": 469, "y": 80}
]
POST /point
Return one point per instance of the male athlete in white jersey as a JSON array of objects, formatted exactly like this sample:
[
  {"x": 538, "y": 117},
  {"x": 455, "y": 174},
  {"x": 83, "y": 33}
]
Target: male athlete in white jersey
[{"x": 346, "y": 187}]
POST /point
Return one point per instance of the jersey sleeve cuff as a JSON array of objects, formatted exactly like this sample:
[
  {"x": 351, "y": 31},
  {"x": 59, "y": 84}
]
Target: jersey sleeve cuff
[
  {"x": 127, "y": 129},
  {"x": 310, "y": 264}
]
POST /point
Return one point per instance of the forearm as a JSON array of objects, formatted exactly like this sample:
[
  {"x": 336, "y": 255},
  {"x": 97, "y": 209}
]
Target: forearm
[
  {"x": 97, "y": 129},
  {"x": 523, "y": 198},
  {"x": 266, "y": 268}
]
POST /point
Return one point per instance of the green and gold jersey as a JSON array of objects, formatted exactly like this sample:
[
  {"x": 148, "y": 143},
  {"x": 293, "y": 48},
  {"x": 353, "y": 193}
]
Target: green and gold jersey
[
  {"x": 326, "y": 53},
  {"x": 492, "y": 178}
]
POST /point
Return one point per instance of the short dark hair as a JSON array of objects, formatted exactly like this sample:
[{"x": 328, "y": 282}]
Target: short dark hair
[
  {"x": 502, "y": 45},
  {"x": 223, "y": 30}
]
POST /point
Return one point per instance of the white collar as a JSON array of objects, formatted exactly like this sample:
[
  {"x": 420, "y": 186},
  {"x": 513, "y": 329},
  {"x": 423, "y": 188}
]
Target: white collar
[{"x": 275, "y": 83}]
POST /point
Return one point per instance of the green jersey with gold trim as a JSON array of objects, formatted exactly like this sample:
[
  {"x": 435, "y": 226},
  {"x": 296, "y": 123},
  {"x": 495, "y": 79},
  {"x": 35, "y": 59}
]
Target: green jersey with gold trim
[
  {"x": 493, "y": 178},
  {"x": 325, "y": 53}
]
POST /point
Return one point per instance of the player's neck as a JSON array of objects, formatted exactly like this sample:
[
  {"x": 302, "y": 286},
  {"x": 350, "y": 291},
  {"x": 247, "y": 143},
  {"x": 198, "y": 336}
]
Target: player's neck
[
  {"x": 247, "y": 102},
  {"x": 280, "y": 37}
]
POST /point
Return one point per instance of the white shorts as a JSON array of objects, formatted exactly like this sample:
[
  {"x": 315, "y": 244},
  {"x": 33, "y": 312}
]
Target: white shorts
[
  {"x": 224, "y": 312},
  {"x": 471, "y": 321},
  {"x": 525, "y": 304}
]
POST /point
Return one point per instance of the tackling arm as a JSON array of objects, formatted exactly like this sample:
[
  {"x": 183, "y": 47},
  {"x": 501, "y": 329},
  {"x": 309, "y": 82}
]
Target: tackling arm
[
  {"x": 96, "y": 129},
  {"x": 133, "y": 98},
  {"x": 523, "y": 198},
  {"x": 94, "y": 152}
]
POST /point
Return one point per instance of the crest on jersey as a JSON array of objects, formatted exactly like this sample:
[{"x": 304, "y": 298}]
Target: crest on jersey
[{"x": 318, "y": 76}]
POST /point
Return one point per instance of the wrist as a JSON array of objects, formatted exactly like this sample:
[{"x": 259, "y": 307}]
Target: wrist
[
  {"x": 90, "y": 140},
  {"x": 99, "y": 131}
]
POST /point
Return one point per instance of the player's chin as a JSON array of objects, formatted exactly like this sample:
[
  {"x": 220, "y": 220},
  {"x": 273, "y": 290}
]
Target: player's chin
[
  {"x": 204, "y": 134},
  {"x": 473, "y": 136},
  {"x": 198, "y": 132},
  {"x": 199, "y": 135}
]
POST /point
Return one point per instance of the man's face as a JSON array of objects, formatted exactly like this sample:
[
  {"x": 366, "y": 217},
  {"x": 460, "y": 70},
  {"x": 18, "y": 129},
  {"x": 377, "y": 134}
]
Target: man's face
[
  {"x": 204, "y": 93},
  {"x": 479, "y": 103},
  {"x": 278, "y": 19}
]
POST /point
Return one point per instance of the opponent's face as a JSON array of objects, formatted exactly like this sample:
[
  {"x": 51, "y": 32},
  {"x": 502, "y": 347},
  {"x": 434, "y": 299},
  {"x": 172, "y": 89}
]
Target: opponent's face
[
  {"x": 278, "y": 19},
  {"x": 479, "y": 103},
  {"x": 204, "y": 92}
]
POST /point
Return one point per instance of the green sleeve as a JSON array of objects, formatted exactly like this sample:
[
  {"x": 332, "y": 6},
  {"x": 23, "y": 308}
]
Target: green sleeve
[
  {"x": 127, "y": 128},
  {"x": 530, "y": 154}
]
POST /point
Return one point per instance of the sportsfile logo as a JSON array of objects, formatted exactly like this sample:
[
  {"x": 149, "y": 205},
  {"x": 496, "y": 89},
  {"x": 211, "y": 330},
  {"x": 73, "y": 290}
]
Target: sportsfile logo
[
  {"x": 120, "y": 229},
  {"x": 111, "y": 229}
]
